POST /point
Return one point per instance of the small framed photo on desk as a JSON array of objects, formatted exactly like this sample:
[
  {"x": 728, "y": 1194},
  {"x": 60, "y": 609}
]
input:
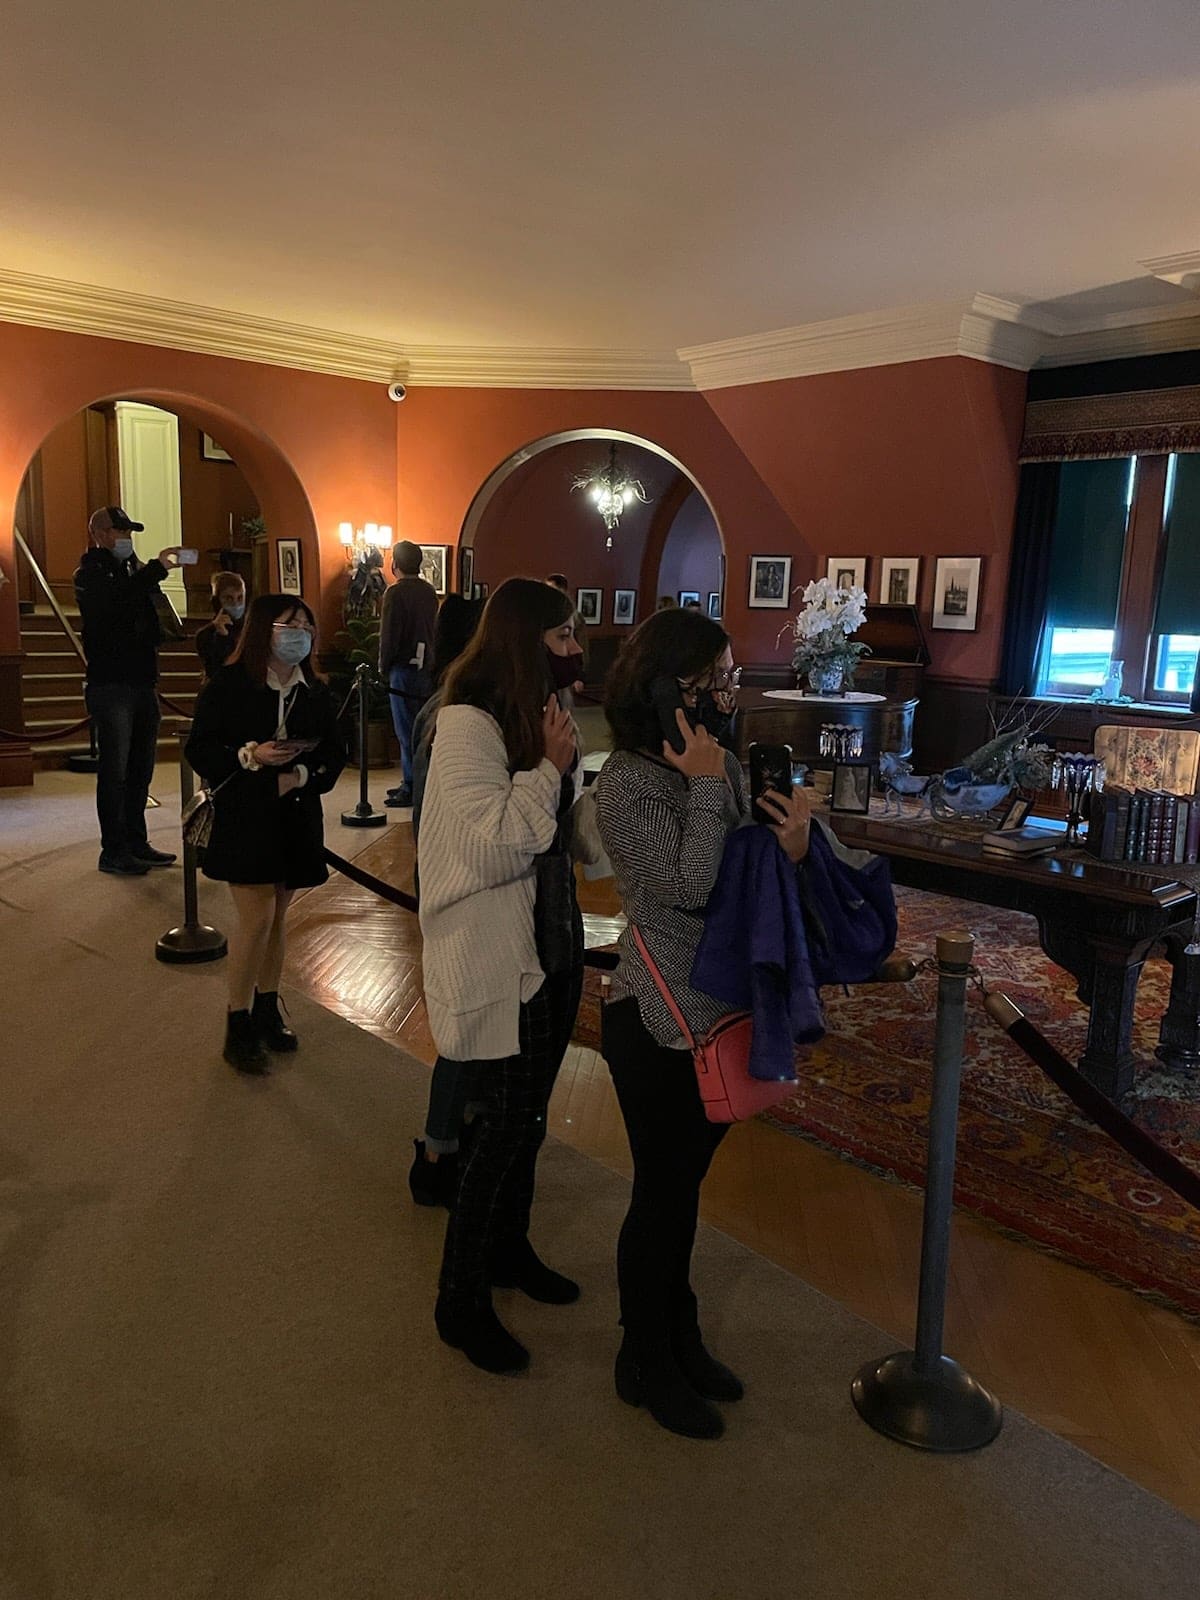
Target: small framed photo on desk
[
  {"x": 1014, "y": 816},
  {"x": 850, "y": 793}
]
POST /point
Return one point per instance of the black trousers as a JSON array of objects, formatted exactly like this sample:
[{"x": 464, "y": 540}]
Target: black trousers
[
  {"x": 125, "y": 717},
  {"x": 495, "y": 1193},
  {"x": 673, "y": 1144}
]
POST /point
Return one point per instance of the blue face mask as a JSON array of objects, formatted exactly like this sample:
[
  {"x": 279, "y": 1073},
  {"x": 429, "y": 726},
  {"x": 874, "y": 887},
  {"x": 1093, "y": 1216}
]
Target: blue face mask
[
  {"x": 236, "y": 610},
  {"x": 291, "y": 645},
  {"x": 122, "y": 549}
]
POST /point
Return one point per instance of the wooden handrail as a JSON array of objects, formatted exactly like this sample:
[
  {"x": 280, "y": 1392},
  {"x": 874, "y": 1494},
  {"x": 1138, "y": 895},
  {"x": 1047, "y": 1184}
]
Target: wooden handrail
[{"x": 58, "y": 611}]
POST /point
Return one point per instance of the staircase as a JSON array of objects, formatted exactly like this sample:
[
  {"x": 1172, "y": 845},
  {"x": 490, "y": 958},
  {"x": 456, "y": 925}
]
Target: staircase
[{"x": 52, "y": 685}]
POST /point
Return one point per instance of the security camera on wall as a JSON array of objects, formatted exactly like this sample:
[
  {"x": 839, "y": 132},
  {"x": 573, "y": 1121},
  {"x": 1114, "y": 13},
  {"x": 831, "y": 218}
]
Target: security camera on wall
[{"x": 397, "y": 392}]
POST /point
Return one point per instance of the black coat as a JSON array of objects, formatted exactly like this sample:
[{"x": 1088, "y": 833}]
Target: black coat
[
  {"x": 215, "y": 649},
  {"x": 121, "y": 632},
  {"x": 258, "y": 837}
]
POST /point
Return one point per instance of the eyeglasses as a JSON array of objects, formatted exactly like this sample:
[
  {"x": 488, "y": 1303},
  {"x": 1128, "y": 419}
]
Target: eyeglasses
[
  {"x": 306, "y": 626},
  {"x": 726, "y": 680}
]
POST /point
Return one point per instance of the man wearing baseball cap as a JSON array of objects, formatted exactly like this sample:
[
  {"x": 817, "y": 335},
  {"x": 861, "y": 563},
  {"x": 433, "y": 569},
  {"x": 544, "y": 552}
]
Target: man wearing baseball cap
[{"x": 121, "y": 635}]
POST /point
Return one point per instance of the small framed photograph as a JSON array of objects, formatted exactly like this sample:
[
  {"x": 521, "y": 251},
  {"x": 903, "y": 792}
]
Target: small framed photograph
[
  {"x": 714, "y": 605},
  {"x": 956, "y": 593},
  {"x": 689, "y": 597},
  {"x": 848, "y": 572},
  {"x": 770, "y": 582},
  {"x": 466, "y": 570},
  {"x": 1014, "y": 816},
  {"x": 588, "y": 603},
  {"x": 287, "y": 555},
  {"x": 433, "y": 565},
  {"x": 850, "y": 791},
  {"x": 624, "y": 607},
  {"x": 210, "y": 450},
  {"x": 899, "y": 577}
]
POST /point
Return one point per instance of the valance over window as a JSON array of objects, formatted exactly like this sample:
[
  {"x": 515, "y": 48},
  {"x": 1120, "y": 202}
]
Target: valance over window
[{"x": 1096, "y": 426}]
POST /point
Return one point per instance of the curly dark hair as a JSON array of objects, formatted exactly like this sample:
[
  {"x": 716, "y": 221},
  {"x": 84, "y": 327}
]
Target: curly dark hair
[{"x": 669, "y": 644}]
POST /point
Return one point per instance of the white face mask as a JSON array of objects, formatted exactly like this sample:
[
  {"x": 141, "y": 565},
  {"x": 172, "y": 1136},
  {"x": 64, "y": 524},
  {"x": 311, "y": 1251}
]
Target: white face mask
[{"x": 122, "y": 549}]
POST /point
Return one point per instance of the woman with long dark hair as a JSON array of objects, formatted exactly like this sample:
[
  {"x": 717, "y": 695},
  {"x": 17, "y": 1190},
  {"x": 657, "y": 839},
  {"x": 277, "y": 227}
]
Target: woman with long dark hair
[
  {"x": 264, "y": 739},
  {"x": 664, "y": 816},
  {"x": 503, "y": 942}
]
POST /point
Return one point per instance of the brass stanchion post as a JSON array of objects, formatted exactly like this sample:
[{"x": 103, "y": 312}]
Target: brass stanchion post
[{"x": 193, "y": 940}]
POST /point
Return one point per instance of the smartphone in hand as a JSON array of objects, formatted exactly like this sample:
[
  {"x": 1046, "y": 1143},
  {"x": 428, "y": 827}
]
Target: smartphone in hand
[
  {"x": 667, "y": 700},
  {"x": 770, "y": 768}
]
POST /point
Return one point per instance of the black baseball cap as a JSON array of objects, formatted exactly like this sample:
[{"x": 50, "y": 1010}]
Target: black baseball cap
[{"x": 120, "y": 523}]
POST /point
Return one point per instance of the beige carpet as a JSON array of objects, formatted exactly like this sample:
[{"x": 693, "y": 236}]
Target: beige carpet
[{"x": 219, "y": 1378}]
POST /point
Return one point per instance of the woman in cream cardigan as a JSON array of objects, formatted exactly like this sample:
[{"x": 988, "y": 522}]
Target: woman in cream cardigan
[{"x": 503, "y": 941}]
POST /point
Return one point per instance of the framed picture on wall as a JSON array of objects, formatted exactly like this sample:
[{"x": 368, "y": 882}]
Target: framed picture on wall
[
  {"x": 689, "y": 597},
  {"x": 287, "y": 554},
  {"x": 848, "y": 572},
  {"x": 433, "y": 565},
  {"x": 956, "y": 592},
  {"x": 770, "y": 582},
  {"x": 588, "y": 603},
  {"x": 714, "y": 605},
  {"x": 624, "y": 607},
  {"x": 466, "y": 570},
  {"x": 899, "y": 577},
  {"x": 210, "y": 450}
]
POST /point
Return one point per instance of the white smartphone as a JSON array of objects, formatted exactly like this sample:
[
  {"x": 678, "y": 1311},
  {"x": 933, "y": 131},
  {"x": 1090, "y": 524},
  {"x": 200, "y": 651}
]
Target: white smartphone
[{"x": 188, "y": 557}]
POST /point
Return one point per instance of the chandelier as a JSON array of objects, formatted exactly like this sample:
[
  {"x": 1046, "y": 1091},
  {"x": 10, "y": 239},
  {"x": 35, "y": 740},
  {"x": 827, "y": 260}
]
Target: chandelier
[{"x": 611, "y": 491}]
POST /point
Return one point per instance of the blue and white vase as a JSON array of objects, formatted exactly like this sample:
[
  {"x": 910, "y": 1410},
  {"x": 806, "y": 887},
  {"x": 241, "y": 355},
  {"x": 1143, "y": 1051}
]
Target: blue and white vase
[{"x": 826, "y": 680}]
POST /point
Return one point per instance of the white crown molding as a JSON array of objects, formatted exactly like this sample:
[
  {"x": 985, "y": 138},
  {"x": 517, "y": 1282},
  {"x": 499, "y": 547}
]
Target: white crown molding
[
  {"x": 1152, "y": 337},
  {"x": 141, "y": 319},
  {"x": 511, "y": 367},
  {"x": 1182, "y": 269}
]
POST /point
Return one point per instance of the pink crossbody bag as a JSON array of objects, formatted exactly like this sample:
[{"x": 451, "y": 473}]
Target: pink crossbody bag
[{"x": 721, "y": 1058}]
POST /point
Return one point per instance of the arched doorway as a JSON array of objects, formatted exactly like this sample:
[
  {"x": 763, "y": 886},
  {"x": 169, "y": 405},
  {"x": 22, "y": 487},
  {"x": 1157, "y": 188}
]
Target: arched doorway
[{"x": 526, "y": 518}]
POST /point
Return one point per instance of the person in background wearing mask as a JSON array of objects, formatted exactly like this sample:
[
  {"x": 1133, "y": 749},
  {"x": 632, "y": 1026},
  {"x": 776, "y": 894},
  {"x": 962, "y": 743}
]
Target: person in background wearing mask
[
  {"x": 503, "y": 944},
  {"x": 579, "y": 623},
  {"x": 265, "y": 741},
  {"x": 406, "y": 627},
  {"x": 217, "y": 640},
  {"x": 121, "y": 635}
]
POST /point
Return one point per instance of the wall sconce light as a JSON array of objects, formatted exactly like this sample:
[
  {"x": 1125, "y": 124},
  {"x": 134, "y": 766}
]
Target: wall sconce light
[{"x": 358, "y": 543}]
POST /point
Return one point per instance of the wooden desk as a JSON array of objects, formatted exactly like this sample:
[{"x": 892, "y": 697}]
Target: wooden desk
[{"x": 1095, "y": 919}]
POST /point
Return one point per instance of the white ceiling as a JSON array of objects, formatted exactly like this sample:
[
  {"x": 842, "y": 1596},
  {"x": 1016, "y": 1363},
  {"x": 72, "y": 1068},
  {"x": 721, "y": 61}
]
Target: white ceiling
[{"x": 616, "y": 173}]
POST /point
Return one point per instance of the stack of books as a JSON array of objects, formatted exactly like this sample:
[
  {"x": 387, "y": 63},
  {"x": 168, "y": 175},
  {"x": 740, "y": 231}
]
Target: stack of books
[
  {"x": 1018, "y": 843},
  {"x": 1150, "y": 825}
]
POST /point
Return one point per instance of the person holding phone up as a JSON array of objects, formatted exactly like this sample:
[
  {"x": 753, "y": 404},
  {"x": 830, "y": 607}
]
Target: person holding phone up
[
  {"x": 218, "y": 639},
  {"x": 264, "y": 740},
  {"x": 503, "y": 943},
  {"x": 117, "y": 595},
  {"x": 666, "y": 801}
]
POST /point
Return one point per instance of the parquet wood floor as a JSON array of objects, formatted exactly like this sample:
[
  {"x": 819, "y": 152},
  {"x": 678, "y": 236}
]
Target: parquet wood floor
[{"x": 1112, "y": 1372}]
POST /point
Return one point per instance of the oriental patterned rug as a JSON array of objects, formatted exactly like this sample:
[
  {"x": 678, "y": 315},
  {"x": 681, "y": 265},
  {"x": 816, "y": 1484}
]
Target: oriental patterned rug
[{"x": 1027, "y": 1160}]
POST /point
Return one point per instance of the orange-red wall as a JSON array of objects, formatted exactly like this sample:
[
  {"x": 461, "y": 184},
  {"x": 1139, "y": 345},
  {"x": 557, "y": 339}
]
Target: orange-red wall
[{"x": 918, "y": 459}]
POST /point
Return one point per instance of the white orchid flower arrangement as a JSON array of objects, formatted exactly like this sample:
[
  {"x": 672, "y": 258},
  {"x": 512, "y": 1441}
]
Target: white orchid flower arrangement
[{"x": 821, "y": 631}]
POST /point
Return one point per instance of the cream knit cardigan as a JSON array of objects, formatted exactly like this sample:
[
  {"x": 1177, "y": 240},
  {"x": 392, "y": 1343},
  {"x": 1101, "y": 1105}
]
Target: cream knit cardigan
[{"x": 482, "y": 829}]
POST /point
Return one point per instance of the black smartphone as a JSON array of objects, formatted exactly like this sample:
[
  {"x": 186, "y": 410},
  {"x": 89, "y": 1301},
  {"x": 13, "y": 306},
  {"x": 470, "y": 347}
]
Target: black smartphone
[
  {"x": 770, "y": 768},
  {"x": 667, "y": 700}
]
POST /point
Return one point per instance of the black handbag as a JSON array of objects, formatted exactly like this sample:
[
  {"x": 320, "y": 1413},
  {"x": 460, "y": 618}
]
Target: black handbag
[{"x": 557, "y": 924}]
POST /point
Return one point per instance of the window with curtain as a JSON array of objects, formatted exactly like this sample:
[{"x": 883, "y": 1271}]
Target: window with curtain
[
  {"x": 1086, "y": 560},
  {"x": 1176, "y": 638}
]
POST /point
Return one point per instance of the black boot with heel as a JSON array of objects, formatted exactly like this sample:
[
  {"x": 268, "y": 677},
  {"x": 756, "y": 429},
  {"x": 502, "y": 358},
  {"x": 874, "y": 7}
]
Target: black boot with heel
[
  {"x": 272, "y": 1029},
  {"x": 477, "y": 1331},
  {"x": 709, "y": 1377},
  {"x": 243, "y": 1048},
  {"x": 654, "y": 1379}
]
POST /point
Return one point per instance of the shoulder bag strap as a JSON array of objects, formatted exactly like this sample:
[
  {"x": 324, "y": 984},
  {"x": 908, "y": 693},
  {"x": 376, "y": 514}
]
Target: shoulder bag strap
[{"x": 661, "y": 984}]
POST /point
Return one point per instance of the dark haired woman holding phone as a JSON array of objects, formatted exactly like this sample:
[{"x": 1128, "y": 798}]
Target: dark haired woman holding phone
[
  {"x": 503, "y": 942},
  {"x": 666, "y": 800},
  {"x": 264, "y": 739}
]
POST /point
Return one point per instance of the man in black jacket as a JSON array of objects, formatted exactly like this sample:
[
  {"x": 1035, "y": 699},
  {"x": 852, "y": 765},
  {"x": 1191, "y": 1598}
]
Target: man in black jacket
[
  {"x": 406, "y": 628},
  {"x": 116, "y": 596}
]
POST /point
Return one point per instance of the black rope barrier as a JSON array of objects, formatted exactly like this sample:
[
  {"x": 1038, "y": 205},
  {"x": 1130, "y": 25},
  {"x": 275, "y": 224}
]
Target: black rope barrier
[
  {"x": 604, "y": 960},
  {"x": 43, "y": 738},
  {"x": 1135, "y": 1141}
]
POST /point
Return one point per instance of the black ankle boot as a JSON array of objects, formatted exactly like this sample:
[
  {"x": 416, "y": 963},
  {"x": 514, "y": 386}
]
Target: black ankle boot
[
  {"x": 242, "y": 1047},
  {"x": 272, "y": 1029},
  {"x": 433, "y": 1183},
  {"x": 656, "y": 1381},
  {"x": 709, "y": 1377},
  {"x": 520, "y": 1267},
  {"x": 478, "y": 1332}
]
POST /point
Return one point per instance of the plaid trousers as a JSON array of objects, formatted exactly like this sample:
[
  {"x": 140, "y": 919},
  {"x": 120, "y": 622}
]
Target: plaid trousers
[{"x": 495, "y": 1192}]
